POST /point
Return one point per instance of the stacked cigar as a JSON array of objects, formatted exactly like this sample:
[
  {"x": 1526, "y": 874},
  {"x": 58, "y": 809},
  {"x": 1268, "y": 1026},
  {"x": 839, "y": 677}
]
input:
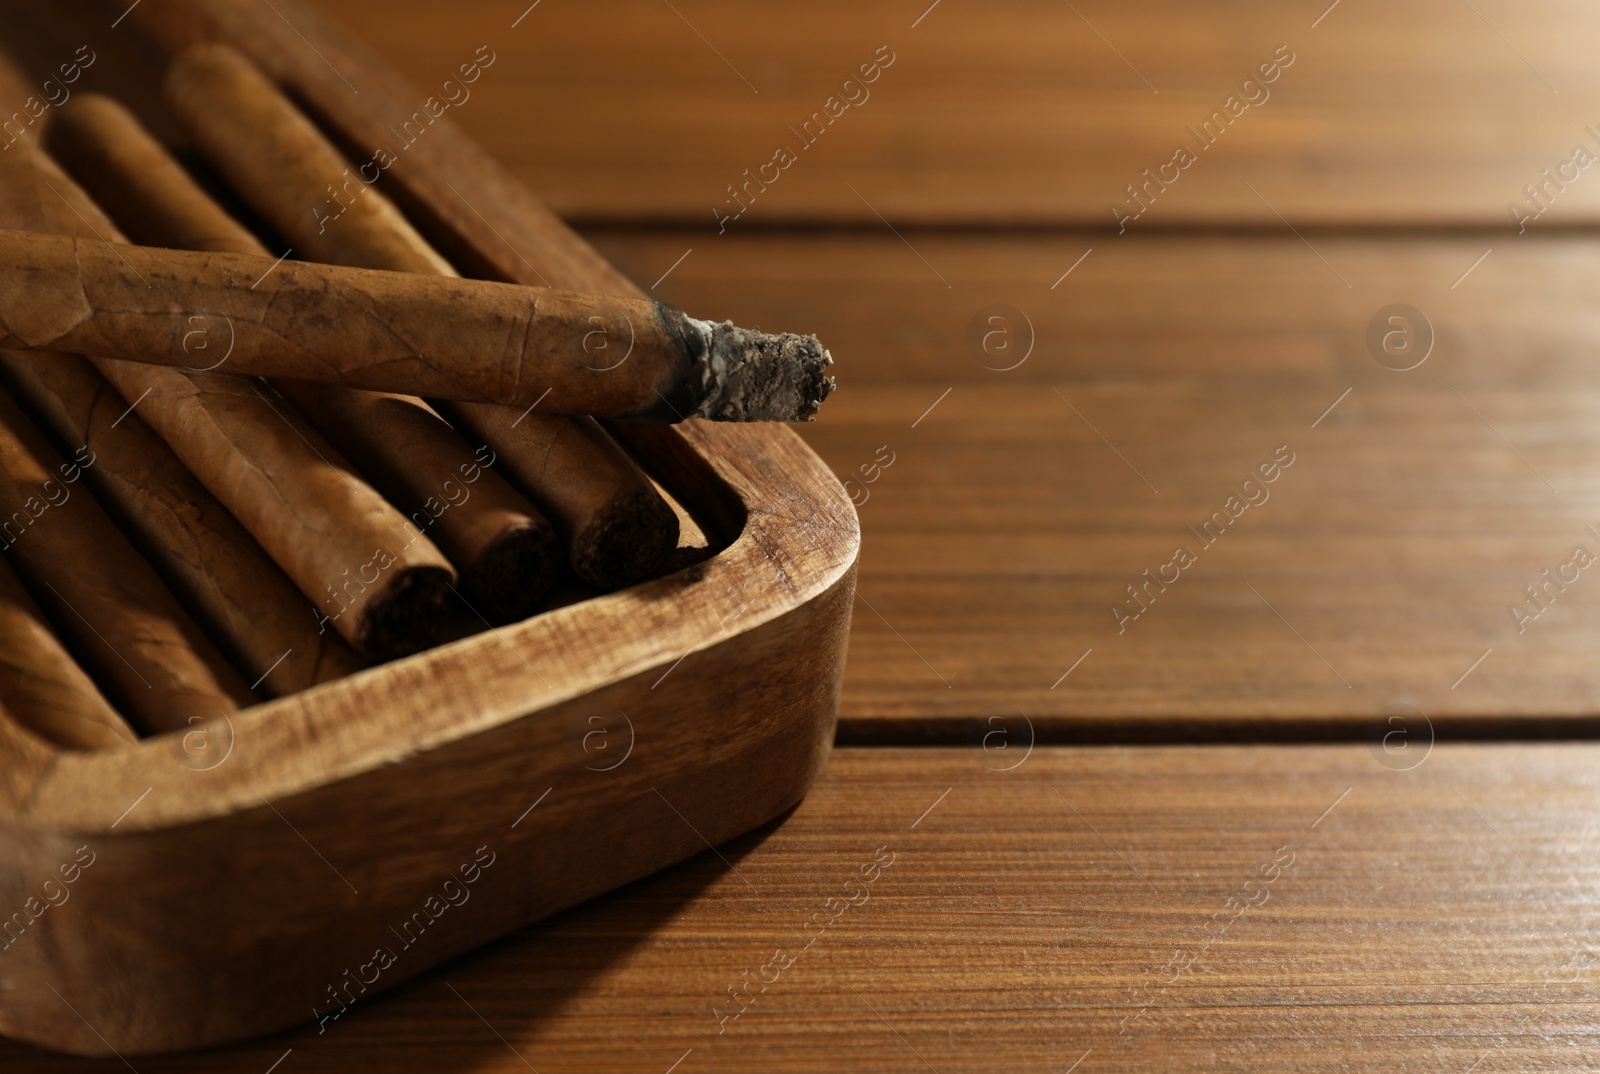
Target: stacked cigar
[{"x": 227, "y": 475}]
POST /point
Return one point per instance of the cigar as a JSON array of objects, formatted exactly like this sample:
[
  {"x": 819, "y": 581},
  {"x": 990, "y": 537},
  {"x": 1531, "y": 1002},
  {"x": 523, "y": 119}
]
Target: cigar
[
  {"x": 156, "y": 663},
  {"x": 210, "y": 561},
  {"x": 618, "y": 529},
  {"x": 41, "y": 687},
  {"x": 472, "y": 340},
  {"x": 382, "y": 588},
  {"x": 507, "y": 552},
  {"x": 218, "y": 571}
]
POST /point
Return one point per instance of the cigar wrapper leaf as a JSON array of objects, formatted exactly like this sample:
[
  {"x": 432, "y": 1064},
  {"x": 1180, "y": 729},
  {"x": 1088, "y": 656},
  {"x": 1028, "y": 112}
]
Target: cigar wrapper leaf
[
  {"x": 154, "y": 661},
  {"x": 470, "y": 340},
  {"x": 305, "y": 506},
  {"x": 507, "y": 553},
  {"x": 199, "y": 548},
  {"x": 618, "y": 529},
  {"x": 41, "y": 687}
]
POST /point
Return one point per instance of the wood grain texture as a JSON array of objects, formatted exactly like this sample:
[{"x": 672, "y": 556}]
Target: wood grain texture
[
  {"x": 1028, "y": 111},
  {"x": 1429, "y": 919},
  {"x": 1007, "y": 528}
]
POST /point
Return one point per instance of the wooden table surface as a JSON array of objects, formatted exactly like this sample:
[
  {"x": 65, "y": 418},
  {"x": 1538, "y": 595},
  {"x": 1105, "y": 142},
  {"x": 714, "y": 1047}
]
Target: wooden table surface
[
  {"x": 1376, "y": 569},
  {"x": 1135, "y": 908},
  {"x": 1365, "y": 895},
  {"x": 1025, "y": 111}
]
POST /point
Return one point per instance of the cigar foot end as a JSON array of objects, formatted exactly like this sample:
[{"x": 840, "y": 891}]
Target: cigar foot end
[
  {"x": 631, "y": 540},
  {"x": 408, "y": 616},
  {"x": 755, "y": 376},
  {"x": 510, "y": 578}
]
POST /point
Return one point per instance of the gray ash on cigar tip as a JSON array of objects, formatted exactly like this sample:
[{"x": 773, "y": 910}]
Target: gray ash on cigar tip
[
  {"x": 754, "y": 376},
  {"x": 737, "y": 374}
]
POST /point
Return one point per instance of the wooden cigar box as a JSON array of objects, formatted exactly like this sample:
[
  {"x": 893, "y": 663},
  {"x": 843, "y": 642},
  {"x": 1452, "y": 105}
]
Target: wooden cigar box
[{"x": 285, "y": 866}]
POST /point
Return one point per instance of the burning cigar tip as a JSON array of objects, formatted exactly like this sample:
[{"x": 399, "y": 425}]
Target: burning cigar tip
[{"x": 758, "y": 376}]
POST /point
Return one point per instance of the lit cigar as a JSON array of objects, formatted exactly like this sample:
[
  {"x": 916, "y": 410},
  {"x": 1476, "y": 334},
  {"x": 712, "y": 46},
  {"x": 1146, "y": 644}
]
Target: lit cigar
[
  {"x": 472, "y": 340},
  {"x": 619, "y": 530},
  {"x": 506, "y": 551}
]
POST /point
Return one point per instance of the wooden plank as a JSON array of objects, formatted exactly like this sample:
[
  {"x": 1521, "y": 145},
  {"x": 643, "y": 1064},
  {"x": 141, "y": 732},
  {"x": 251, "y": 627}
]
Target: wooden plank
[
  {"x": 1029, "y": 111},
  {"x": 1089, "y": 905},
  {"x": 1021, "y": 504}
]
